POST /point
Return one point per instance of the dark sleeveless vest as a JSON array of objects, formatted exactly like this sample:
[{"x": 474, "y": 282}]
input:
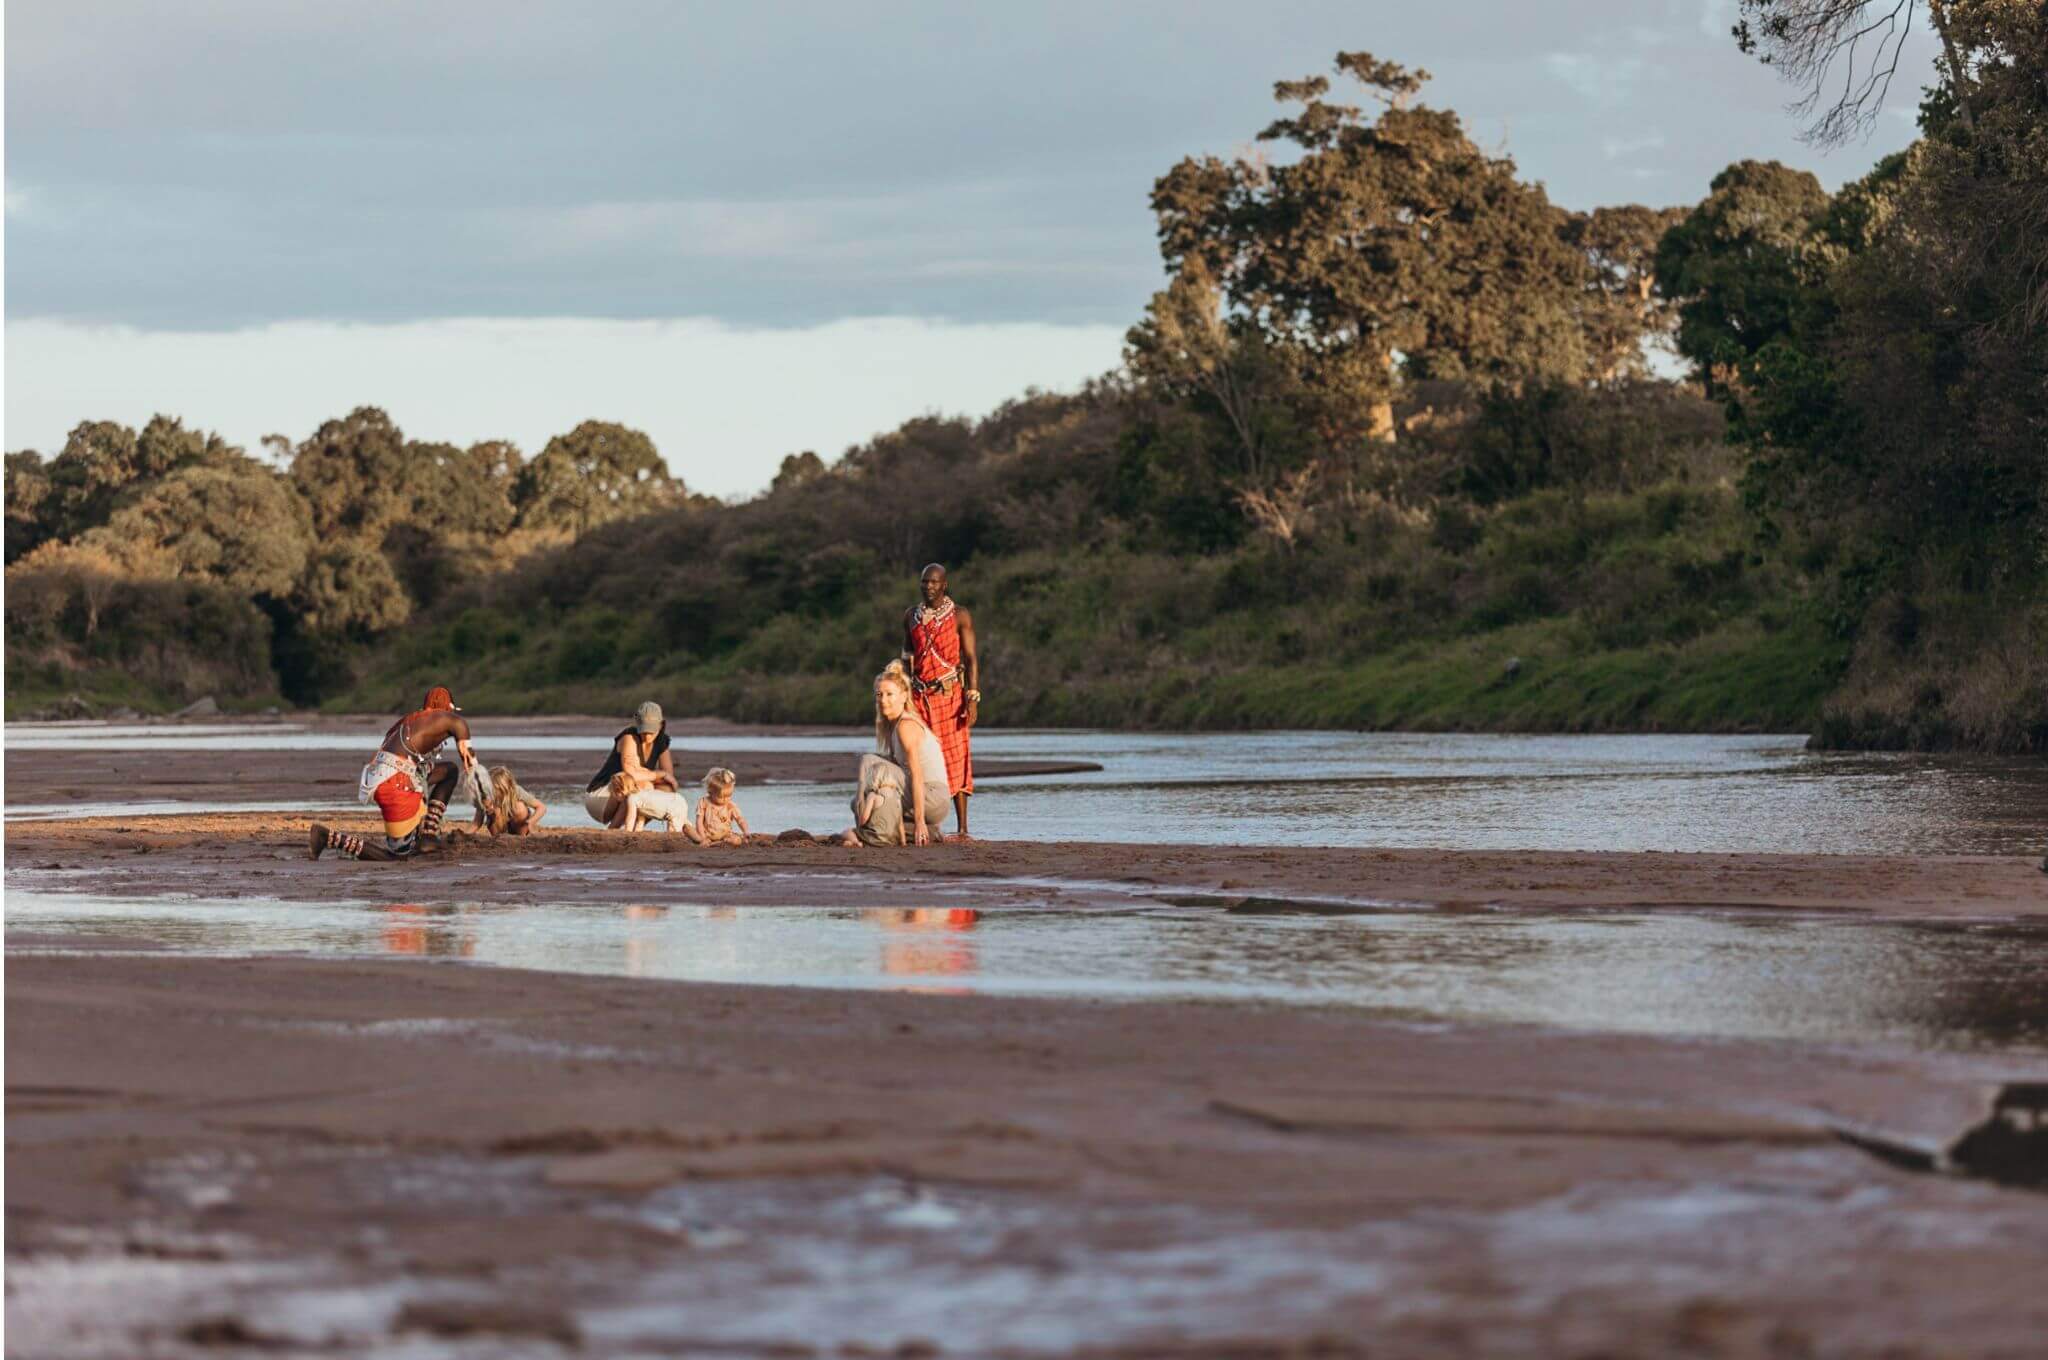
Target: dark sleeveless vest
[{"x": 613, "y": 764}]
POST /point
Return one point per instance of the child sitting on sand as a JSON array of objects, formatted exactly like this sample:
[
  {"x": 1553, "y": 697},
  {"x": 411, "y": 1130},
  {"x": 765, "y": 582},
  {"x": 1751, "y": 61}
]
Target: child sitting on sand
[
  {"x": 511, "y": 810},
  {"x": 719, "y": 820}
]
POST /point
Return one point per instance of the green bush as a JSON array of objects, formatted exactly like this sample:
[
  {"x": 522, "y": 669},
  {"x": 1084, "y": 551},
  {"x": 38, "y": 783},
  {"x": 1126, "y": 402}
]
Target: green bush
[{"x": 155, "y": 643}]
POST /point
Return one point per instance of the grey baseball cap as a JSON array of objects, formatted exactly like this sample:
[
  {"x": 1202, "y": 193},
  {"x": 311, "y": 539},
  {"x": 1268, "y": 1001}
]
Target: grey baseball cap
[{"x": 648, "y": 717}]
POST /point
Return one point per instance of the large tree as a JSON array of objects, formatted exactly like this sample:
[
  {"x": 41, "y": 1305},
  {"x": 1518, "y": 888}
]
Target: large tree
[
  {"x": 598, "y": 471},
  {"x": 1902, "y": 420},
  {"x": 1738, "y": 266},
  {"x": 349, "y": 588},
  {"x": 241, "y": 525},
  {"x": 355, "y": 475},
  {"x": 1896, "y": 338},
  {"x": 1190, "y": 348},
  {"x": 28, "y": 502},
  {"x": 103, "y": 464},
  {"x": 497, "y": 460},
  {"x": 1382, "y": 243},
  {"x": 1621, "y": 307},
  {"x": 459, "y": 491},
  {"x": 165, "y": 445},
  {"x": 96, "y": 464}
]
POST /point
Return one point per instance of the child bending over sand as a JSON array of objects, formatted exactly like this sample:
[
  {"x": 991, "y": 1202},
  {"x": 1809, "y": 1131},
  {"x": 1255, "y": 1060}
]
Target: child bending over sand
[
  {"x": 511, "y": 809},
  {"x": 719, "y": 819},
  {"x": 635, "y": 810}
]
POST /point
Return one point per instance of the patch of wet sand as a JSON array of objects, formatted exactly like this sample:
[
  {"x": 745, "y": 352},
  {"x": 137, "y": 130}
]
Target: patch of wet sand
[
  {"x": 354, "y": 1154},
  {"x": 265, "y": 853}
]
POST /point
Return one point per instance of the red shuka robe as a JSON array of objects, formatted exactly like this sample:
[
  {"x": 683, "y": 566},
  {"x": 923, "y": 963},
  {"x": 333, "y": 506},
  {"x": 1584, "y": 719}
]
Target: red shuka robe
[{"x": 935, "y": 643}]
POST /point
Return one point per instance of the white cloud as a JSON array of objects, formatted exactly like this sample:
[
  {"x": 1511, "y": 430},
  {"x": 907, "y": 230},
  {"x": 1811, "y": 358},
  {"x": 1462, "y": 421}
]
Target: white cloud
[
  {"x": 1605, "y": 81},
  {"x": 723, "y": 403},
  {"x": 1614, "y": 148}
]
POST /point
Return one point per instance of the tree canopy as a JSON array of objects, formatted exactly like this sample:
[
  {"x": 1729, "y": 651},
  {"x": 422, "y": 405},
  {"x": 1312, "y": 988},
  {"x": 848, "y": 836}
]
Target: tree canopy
[
  {"x": 237, "y": 524},
  {"x": 1380, "y": 250},
  {"x": 597, "y": 472},
  {"x": 1737, "y": 263}
]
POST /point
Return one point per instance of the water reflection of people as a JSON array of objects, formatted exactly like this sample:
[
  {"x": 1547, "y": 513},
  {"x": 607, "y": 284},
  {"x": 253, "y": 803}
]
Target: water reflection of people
[
  {"x": 409, "y": 929},
  {"x": 642, "y": 950},
  {"x": 927, "y": 941}
]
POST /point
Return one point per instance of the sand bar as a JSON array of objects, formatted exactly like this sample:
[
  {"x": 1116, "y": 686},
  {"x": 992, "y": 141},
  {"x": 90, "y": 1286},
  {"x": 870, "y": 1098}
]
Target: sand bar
[{"x": 264, "y": 853}]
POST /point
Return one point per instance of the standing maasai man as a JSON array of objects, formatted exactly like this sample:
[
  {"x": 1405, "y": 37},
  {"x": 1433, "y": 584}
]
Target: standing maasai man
[
  {"x": 409, "y": 788},
  {"x": 945, "y": 680}
]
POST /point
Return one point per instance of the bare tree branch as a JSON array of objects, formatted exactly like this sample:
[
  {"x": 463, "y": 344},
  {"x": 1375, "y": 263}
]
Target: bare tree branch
[{"x": 1808, "y": 40}]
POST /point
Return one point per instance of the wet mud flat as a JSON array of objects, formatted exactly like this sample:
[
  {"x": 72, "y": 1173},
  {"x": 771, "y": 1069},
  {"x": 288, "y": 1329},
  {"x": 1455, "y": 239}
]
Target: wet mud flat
[
  {"x": 264, "y": 853},
  {"x": 299, "y": 1156},
  {"x": 290, "y": 1155}
]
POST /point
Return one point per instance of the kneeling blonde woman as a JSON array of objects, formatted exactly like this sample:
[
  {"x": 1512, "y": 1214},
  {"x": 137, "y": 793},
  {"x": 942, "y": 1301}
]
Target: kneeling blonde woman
[{"x": 901, "y": 793}]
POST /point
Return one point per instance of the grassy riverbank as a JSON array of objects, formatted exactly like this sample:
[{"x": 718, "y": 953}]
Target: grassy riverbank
[{"x": 1626, "y": 611}]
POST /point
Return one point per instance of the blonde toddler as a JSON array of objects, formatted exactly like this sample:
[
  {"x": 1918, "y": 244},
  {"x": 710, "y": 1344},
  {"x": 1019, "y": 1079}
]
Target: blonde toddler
[{"x": 719, "y": 819}]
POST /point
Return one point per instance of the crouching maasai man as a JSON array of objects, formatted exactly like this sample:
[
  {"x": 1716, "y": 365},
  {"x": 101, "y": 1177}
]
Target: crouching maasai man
[
  {"x": 945, "y": 680},
  {"x": 409, "y": 788}
]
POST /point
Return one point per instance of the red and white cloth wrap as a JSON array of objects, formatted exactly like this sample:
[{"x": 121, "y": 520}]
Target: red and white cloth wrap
[
  {"x": 939, "y": 693},
  {"x": 383, "y": 766}
]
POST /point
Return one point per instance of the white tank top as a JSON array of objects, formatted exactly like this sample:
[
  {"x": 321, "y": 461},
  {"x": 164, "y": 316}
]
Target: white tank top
[{"x": 933, "y": 759}]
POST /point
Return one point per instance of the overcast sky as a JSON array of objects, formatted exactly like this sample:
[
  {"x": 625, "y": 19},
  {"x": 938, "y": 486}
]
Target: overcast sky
[{"x": 746, "y": 228}]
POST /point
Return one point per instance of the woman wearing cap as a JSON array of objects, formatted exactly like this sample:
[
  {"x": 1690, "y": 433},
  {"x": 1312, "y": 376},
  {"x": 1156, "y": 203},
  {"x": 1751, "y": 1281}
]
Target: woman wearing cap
[
  {"x": 408, "y": 786},
  {"x": 640, "y": 753}
]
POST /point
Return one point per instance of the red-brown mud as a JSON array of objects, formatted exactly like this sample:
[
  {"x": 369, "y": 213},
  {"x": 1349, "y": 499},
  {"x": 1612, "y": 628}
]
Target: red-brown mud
[{"x": 315, "y": 1156}]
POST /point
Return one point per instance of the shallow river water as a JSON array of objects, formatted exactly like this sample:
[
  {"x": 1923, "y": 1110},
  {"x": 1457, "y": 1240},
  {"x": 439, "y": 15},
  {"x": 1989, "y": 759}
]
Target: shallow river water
[
  {"x": 1440, "y": 791},
  {"x": 1971, "y": 986}
]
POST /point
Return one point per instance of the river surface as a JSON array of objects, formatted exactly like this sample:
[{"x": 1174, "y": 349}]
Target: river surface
[
  {"x": 1971, "y": 986},
  {"x": 1705, "y": 973},
  {"x": 1416, "y": 790}
]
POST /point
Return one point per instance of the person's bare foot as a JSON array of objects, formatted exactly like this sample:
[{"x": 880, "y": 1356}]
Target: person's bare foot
[{"x": 317, "y": 839}]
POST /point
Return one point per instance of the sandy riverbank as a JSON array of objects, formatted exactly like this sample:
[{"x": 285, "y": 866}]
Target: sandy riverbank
[
  {"x": 315, "y": 1155},
  {"x": 264, "y": 854}
]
